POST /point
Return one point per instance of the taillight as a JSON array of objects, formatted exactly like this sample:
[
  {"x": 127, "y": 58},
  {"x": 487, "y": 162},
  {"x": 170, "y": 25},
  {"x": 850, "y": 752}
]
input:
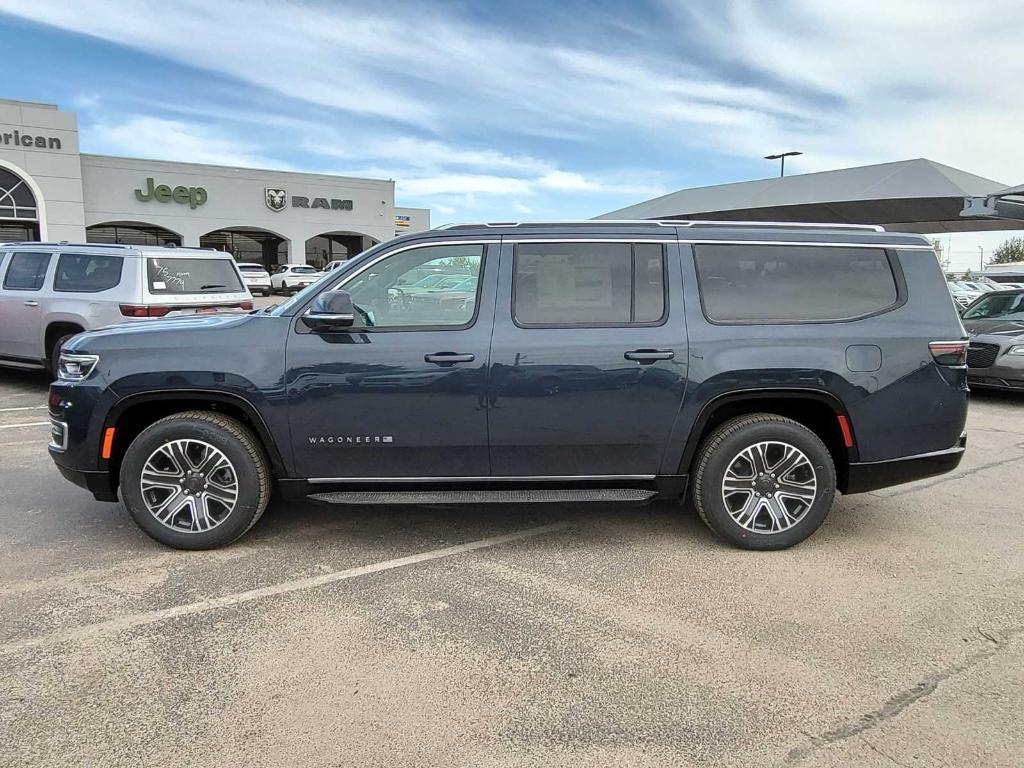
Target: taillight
[
  {"x": 246, "y": 305},
  {"x": 143, "y": 310},
  {"x": 949, "y": 352}
]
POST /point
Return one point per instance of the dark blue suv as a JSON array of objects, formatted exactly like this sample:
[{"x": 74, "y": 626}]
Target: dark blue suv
[{"x": 757, "y": 367}]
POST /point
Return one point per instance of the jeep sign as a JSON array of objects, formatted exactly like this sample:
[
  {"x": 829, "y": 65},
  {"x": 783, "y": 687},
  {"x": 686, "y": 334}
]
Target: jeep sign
[{"x": 192, "y": 196}]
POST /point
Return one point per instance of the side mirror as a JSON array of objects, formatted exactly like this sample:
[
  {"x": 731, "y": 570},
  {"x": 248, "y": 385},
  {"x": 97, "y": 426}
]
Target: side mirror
[{"x": 331, "y": 311}]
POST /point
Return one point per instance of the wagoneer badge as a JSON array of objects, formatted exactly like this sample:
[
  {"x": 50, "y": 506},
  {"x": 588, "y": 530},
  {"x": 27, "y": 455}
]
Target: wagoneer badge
[{"x": 349, "y": 439}]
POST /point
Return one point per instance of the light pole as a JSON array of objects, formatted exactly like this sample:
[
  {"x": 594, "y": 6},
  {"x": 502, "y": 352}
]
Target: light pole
[
  {"x": 981, "y": 257},
  {"x": 782, "y": 156}
]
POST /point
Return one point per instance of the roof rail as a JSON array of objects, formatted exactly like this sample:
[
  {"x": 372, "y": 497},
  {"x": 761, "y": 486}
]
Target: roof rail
[{"x": 669, "y": 223}]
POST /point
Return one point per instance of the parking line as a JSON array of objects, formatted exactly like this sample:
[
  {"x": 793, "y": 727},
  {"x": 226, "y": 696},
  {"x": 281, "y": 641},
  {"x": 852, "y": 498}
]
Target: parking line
[
  {"x": 226, "y": 601},
  {"x": 25, "y": 408},
  {"x": 27, "y": 424}
]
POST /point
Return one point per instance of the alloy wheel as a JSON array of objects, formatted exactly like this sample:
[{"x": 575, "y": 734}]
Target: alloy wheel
[
  {"x": 189, "y": 485},
  {"x": 769, "y": 487}
]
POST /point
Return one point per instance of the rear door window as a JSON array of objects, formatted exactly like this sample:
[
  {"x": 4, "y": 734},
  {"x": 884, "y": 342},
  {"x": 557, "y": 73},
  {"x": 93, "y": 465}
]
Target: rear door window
[
  {"x": 793, "y": 283},
  {"x": 87, "y": 272},
  {"x": 26, "y": 271},
  {"x": 170, "y": 276},
  {"x": 589, "y": 284}
]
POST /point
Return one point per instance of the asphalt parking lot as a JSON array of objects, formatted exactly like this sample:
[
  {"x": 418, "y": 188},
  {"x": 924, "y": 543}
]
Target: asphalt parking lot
[{"x": 527, "y": 635}]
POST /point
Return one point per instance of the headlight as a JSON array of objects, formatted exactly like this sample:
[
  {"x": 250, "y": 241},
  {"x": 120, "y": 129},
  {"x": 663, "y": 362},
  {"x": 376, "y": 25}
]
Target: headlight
[
  {"x": 1018, "y": 350},
  {"x": 73, "y": 367}
]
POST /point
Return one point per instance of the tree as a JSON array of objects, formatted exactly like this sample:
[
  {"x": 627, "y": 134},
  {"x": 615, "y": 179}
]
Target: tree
[{"x": 1009, "y": 252}]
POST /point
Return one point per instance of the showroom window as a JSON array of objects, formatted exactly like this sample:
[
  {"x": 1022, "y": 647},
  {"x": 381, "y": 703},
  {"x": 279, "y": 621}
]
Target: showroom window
[
  {"x": 26, "y": 271},
  {"x": 589, "y": 284},
  {"x": 430, "y": 287},
  {"x": 793, "y": 284},
  {"x": 87, "y": 272}
]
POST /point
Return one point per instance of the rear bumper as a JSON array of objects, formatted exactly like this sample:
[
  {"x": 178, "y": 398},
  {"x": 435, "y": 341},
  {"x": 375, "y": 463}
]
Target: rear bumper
[{"x": 872, "y": 475}]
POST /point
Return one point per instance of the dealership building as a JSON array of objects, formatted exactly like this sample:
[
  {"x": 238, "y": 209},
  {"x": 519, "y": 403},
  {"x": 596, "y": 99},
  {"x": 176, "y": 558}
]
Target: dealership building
[{"x": 50, "y": 191}]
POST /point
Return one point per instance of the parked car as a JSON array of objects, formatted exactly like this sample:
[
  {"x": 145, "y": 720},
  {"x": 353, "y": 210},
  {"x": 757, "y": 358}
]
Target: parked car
[
  {"x": 51, "y": 291},
  {"x": 961, "y": 296},
  {"x": 979, "y": 286},
  {"x": 995, "y": 357},
  {"x": 608, "y": 361},
  {"x": 333, "y": 265},
  {"x": 291, "y": 278},
  {"x": 255, "y": 277}
]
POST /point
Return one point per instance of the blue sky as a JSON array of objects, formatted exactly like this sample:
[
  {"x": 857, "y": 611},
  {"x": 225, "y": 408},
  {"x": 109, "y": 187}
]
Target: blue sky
[{"x": 532, "y": 109}]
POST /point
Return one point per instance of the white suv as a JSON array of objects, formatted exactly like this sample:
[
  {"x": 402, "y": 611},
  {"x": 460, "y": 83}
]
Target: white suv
[
  {"x": 291, "y": 278},
  {"x": 51, "y": 291},
  {"x": 256, "y": 278}
]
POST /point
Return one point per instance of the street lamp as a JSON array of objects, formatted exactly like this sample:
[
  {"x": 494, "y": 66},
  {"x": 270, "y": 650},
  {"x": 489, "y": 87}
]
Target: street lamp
[
  {"x": 782, "y": 156},
  {"x": 981, "y": 257}
]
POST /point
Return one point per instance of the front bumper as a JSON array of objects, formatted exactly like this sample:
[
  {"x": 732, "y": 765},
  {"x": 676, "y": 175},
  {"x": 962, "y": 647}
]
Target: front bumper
[
  {"x": 872, "y": 475},
  {"x": 97, "y": 483},
  {"x": 1000, "y": 376}
]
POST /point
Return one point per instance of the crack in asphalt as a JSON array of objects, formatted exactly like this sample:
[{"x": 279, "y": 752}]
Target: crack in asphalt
[
  {"x": 901, "y": 701},
  {"x": 961, "y": 475}
]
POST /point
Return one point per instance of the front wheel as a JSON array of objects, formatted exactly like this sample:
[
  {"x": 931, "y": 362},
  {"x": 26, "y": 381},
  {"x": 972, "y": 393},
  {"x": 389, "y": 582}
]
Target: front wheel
[
  {"x": 764, "y": 482},
  {"x": 195, "y": 480},
  {"x": 54, "y": 361}
]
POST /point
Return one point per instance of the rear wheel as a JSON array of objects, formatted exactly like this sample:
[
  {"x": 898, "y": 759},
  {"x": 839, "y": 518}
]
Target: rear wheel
[
  {"x": 195, "y": 480},
  {"x": 764, "y": 482}
]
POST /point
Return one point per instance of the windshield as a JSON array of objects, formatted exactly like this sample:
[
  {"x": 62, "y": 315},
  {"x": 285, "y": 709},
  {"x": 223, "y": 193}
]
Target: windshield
[
  {"x": 303, "y": 270},
  {"x": 428, "y": 282},
  {"x": 1009, "y": 306},
  {"x": 251, "y": 268},
  {"x": 173, "y": 276}
]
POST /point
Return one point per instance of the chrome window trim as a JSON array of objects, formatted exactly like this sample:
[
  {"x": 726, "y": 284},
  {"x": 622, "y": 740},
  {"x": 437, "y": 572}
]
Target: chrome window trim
[{"x": 499, "y": 240}]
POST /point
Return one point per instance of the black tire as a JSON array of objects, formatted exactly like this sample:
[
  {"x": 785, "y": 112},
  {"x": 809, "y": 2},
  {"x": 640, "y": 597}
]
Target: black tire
[
  {"x": 235, "y": 442},
  {"x": 55, "y": 352},
  {"x": 719, "y": 451}
]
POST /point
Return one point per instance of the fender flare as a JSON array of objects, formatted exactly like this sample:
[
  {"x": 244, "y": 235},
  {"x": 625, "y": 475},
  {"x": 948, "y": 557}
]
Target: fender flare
[
  {"x": 789, "y": 393},
  {"x": 206, "y": 395}
]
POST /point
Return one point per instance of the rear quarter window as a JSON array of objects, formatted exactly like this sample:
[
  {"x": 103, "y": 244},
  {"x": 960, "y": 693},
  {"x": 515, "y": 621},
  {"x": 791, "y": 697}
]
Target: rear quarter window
[
  {"x": 793, "y": 283},
  {"x": 87, "y": 272},
  {"x": 171, "y": 276}
]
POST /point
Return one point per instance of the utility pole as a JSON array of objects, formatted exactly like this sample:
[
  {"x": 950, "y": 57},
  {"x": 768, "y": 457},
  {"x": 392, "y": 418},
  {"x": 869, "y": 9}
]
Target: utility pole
[
  {"x": 782, "y": 156},
  {"x": 981, "y": 257}
]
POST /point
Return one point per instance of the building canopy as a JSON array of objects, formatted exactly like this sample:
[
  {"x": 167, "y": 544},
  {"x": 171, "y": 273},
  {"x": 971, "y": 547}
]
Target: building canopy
[{"x": 909, "y": 196}]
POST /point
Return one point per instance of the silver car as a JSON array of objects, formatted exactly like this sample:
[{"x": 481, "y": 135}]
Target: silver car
[{"x": 51, "y": 291}]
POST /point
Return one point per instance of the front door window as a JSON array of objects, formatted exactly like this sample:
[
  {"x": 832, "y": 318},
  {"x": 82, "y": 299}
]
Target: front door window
[{"x": 434, "y": 287}]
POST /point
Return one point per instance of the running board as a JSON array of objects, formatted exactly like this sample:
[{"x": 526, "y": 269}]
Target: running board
[{"x": 522, "y": 496}]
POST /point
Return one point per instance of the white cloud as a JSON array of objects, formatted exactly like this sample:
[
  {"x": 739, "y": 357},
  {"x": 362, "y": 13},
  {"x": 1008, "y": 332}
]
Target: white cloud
[
  {"x": 152, "y": 137},
  {"x": 464, "y": 184}
]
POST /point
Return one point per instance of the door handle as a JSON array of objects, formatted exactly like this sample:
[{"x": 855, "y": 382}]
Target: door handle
[
  {"x": 448, "y": 358},
  {"x": 649, "y": 355},
  {"x": 31, "y": 303}
]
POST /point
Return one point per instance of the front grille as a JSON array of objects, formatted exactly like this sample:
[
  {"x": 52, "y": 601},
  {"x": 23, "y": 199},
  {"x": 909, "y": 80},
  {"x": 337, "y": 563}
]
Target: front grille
[{"x": 982, "y": 355}]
